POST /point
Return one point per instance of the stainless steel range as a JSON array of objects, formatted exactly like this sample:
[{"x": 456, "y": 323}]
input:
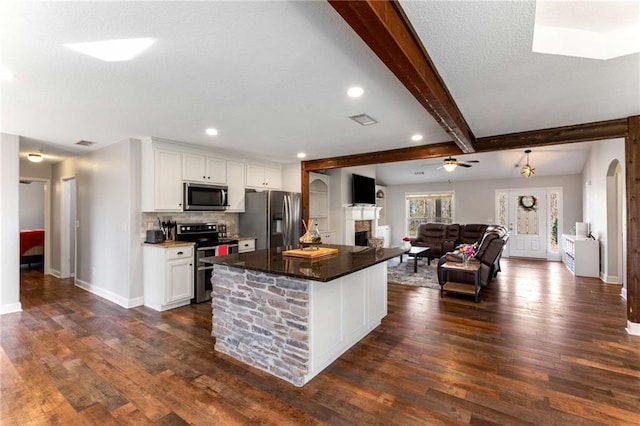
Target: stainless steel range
[{"x": 208, "y": 242}]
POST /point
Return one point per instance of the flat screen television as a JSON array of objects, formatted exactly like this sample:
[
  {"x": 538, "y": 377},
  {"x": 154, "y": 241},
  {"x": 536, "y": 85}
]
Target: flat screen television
[{"x": 363, "y": 190}]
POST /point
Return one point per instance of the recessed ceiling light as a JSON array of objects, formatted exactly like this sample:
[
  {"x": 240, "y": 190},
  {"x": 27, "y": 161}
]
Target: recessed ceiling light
[
  {"x": 34, "y": 158},
  {"x": 211, "y": 131},
  {"x": 416, "y": 138},
  {"x": 355, "y": 92},
  {"x": 112, "y": 50},
  {"x": 6, "y": 74},
  {"x": 301, "y": 155}
]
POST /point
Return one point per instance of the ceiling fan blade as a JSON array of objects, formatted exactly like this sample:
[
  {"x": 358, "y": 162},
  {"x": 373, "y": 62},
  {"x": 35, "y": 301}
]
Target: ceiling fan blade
[
  {"x": 472, "y": 161},
  {"x": 464, "y": 165}
]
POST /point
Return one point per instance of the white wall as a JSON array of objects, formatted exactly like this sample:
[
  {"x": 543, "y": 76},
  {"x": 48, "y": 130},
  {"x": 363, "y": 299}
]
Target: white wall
[
  {"x": 475, "y": 200},
  {"x": 32, "y": 205},
  {"x": 108, "y": 211},
  {"x": 10, "y": 230},
  {"x": 594, "y": 180},
  {"x": 29, "y": 169},
  {"x": 292, "y": 177}
]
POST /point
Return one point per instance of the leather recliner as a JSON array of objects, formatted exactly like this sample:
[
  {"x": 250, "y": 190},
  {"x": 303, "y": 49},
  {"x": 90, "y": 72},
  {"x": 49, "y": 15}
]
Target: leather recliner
[{"x": 488, "y": 254}]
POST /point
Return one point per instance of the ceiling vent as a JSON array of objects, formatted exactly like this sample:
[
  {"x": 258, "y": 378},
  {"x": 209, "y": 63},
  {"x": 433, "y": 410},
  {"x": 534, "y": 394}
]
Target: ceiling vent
[
  {"x": 85, "y": 143},
  {"x": 363, "y": 119}
]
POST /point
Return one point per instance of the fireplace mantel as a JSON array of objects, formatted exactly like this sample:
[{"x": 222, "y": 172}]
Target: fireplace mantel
[{"x": 353, "y": 213}]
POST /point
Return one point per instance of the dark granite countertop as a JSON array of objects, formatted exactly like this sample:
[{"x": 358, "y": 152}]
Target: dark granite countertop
[{"x": 349, "y": 259}]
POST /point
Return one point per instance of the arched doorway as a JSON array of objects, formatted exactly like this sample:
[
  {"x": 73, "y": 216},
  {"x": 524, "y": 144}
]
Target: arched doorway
[{"x": 613, "y": 251}]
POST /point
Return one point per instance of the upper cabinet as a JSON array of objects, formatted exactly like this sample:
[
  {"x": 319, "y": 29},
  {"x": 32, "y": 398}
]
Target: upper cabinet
[
  {"x": 235, "y": 180},
  {"x": 263, "y": 177},
  {"x": 319, "y": 200},
  {"x": 200, "y": 168},
  {"x": 161, "y": 180},
  {"x": 167, "y": 164}
]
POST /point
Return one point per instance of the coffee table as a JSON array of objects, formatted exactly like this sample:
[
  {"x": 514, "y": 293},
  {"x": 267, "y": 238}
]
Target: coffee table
[{"x": 417, "y": 253}]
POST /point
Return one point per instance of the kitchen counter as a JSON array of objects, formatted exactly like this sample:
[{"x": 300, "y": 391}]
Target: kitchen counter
[
  {"x": 241, "y": 237},
  {"x": 293, "y": 317},
  {"x": 349, "y": 259},
  {"x": 170, "y": 243}
]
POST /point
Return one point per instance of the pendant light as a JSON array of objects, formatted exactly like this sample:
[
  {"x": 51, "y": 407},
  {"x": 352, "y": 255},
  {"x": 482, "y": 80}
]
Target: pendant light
[{"x": 527, "y": 170}]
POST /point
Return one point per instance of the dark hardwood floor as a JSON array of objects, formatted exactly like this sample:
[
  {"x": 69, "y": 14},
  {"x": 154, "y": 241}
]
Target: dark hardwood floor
[{"x": 541, "y": 347}]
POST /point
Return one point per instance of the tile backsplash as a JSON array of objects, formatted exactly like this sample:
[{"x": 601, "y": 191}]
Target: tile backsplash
[{"x": 150, "y": 220}]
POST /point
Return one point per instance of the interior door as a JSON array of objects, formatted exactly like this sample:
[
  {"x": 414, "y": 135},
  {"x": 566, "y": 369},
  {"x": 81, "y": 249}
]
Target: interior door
[{"x": 528, "y": 223}]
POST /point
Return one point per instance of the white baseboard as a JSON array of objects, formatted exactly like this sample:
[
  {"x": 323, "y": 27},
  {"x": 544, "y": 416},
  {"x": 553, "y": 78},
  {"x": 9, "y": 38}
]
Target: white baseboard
[
  {"x": 633, "y": 328},
  {"x": 109, "y": 295},
  {"x": 55, "y": 273},
  {"x": 623, "y": 293},
  {"x": 10, "y": 308},
  {"x": 610, "y": 279}
]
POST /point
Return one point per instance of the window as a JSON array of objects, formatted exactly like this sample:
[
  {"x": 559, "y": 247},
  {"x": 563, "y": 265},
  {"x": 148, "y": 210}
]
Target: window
[{"x": 431, "y": 207}]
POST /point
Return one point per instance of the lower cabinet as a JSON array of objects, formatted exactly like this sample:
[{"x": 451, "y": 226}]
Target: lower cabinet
[
  {"x": 328, "y": 237},
  {"x": 246, "y": 246},
  {"x": 168, "y": 276}
]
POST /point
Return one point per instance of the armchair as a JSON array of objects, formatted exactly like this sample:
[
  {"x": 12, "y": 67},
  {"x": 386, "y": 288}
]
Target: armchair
[{"x": 488, "y": 254}]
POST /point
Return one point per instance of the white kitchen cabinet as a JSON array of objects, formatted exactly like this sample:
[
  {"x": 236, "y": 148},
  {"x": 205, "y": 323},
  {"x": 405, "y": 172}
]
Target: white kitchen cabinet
[
  {"x": 235, "y": 181},
  {"x": 581, "y": 255},
  {"x": 200, "y": 168},
  {"x": 167, "y": 181},
  {"x": 328, "y": 237},
  {"x": 246, "y": 245},
  {"x": 263, "y": 177},
  {"x": 168, "y": 276}
]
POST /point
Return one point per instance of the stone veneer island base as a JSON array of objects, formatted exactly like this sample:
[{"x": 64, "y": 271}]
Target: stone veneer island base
[{"x": 294, "y": 317}]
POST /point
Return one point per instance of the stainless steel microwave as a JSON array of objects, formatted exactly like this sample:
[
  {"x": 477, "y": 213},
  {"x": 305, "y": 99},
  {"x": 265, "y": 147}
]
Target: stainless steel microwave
[{"x": 204, "y": 197}]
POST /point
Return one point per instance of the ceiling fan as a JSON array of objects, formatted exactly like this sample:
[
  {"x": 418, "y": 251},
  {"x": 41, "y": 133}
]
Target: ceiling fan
[{"x": 450, "y": 163}]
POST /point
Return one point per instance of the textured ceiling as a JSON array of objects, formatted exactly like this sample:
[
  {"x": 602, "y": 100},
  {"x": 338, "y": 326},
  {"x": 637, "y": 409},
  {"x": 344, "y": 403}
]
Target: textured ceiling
[{"x": 272, "y": 76}]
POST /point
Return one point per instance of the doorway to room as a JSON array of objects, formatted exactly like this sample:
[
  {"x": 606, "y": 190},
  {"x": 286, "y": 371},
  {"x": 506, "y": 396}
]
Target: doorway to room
[{"x": 34, "y": 213}]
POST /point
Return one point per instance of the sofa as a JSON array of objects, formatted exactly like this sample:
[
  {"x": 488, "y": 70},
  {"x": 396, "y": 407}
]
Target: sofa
[
  {"x": 488, "y": 255},
  {"x": 442, "y": 238}
]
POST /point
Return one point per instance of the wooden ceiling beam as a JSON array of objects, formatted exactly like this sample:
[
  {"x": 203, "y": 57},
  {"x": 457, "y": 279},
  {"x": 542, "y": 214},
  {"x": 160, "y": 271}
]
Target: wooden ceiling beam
[
  {"x": 380, "y": 157},
  {"x": 554, "y": 136},
  {"x": 383, "y": 26}
]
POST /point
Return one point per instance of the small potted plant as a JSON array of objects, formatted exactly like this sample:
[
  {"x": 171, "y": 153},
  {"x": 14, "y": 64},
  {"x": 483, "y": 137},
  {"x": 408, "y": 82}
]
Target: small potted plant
[{"x": 406, "y": 243}]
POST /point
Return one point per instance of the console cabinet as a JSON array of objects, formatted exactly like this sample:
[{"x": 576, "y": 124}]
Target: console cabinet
[{"x": 581, "y": 255}]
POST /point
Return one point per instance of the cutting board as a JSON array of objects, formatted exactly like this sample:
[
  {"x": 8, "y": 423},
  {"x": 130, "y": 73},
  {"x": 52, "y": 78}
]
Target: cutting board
[{"x": 311, "y": 253}]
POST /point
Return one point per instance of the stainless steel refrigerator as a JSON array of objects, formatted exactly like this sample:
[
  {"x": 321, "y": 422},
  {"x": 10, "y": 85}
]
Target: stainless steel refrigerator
[{"x": 273, "y": 217}]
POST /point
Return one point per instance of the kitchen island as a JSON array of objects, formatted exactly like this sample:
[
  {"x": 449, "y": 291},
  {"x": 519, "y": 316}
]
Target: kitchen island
[{"x": 292, "y": 317}]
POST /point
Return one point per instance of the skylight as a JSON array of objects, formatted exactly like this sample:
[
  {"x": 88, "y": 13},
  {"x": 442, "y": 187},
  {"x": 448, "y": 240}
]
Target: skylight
[
  {"x": 112, "y": 50},
  {"x": 588, "y": 29}
]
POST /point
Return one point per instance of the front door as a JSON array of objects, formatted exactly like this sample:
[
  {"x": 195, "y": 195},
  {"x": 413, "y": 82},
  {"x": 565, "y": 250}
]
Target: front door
[{"x": 527, "y": 223}]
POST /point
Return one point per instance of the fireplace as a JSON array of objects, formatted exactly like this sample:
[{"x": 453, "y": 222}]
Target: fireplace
[
  {"x": 361, "y": 238},
  {"x": 360, "y": 219}
]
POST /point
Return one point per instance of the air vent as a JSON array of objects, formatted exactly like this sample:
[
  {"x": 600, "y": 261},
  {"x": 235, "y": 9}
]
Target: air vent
[
  {"x": 418, "y": 173},
  {"x": 363, "y": 119},
  {"x": 85, "y": 143}
]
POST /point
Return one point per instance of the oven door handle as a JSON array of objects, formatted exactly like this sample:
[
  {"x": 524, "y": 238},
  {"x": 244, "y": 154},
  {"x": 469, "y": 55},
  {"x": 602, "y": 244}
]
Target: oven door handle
[{"x": 205, "y": 248}]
